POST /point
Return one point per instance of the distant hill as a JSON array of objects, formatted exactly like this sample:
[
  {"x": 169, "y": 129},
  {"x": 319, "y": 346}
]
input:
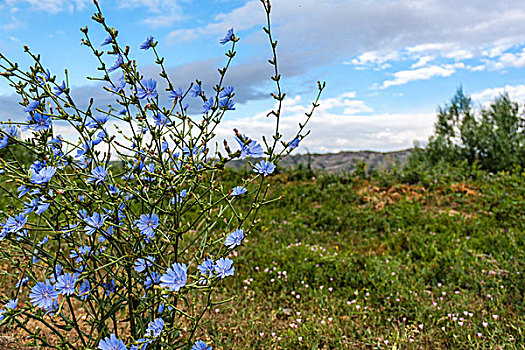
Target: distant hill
[{"x": 342, "y": 161}]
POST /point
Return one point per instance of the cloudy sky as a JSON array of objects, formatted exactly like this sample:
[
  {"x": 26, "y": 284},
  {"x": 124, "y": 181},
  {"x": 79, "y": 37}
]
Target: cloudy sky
[{"x": 388, "y": 64}]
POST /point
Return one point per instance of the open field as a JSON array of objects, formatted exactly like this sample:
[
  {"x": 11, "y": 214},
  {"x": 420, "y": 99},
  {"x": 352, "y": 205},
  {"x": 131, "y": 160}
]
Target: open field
[{"x": 343, "y": 262}]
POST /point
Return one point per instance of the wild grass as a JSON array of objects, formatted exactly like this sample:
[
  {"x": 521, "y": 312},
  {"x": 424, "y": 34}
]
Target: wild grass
[{"x": 344, "y": 262}]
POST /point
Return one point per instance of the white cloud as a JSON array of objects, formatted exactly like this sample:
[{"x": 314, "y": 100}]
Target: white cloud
[
  {"x": 425, "y": 73},
  {"x": 51, "y": 6},
  {"x": 345, "y": 101},
  {"x": 459, "y": 54},
  {"x": 516, "y": 93},
  {"x": 374, "y": 60},
  {"x": 446, "y": 49},
  {"x": 478, "y": 68},
  {"x": 247, "y": 16},
  {"x": 421, "y": 48},
  {"x": 507, "y": 60},
  {"x": 422, "y": 61},
  {"x": 422, "y": 55},
  {"x": 496, "y": 50},
  {"x": 162, "y": 13},
  {"x": 362, "y": 32}
]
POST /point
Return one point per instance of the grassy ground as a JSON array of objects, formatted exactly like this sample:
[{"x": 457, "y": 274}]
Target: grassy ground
[
  {"x": 341, "y": 263},
  {"x": 352, "y": 263}
]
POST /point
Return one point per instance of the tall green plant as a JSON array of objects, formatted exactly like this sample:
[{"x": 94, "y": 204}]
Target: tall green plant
[{"x": 130, "y": 256}]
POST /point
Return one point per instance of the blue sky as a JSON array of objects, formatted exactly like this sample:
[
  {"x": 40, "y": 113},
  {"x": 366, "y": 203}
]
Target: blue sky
[{"x": 387, "y": 64}]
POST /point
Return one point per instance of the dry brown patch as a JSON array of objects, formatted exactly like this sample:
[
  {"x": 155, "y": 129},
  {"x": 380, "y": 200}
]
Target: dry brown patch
[
  {"x": 465, "y": 188},
  {"x": 380, "y": 197}
]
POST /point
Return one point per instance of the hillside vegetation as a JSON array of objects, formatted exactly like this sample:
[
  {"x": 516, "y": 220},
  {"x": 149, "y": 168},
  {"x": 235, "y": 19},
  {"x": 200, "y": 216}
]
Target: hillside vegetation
[{"x": 344, "y": 262}]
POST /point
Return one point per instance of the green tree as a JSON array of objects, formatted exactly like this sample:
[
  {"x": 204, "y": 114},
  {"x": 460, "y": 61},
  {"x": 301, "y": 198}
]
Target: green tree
[
  {"x": 502, "y": 143},
  {"x": 491, "y": 136}
]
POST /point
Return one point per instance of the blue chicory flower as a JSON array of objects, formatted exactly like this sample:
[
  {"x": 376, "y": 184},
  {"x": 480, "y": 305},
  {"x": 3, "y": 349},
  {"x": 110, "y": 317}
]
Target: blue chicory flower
[
  {"x": 249, "y": 147},
  {"x": 4, "y": 141},
  {"x": 60, "y": 88},
  {"x": 37, "y": 165},
  {"x": 73, "y": 254},
  {"x": 238, "y": 191},
  {"x": 100, "y": 137},
  {"x": 113, "y": 190},
  {"x": 42, "y": 295},
  {"x": 119, "y": 85},
  {"x": 208, "y": 105},
  {"x": 223, "y": 267},
  {"x": 155, "y": 328},
  {"x": 32, "y": 106},
  {"x": 84, "y": 289},
  {"x": 147, "y": 224},
  {"x": 153, "y": 278},
  {"x": 35, "y": 257},
  {"x": 148, "y": 43},
  {"x": 66, "y": 284},
  {"x": 118, "y": 63},
  {"x": 160, "y": 119},
  {"x": 164, "y": 146},
  {"x": 176, "y": 94},
  {"x": 200, "y": 345},
  {"x": 42, "y": 176},
  {"x": 98, "y": 175},
  {"x": 42, "y": 207},
  {"x": 227, "y": 92},
  {"x": 106, "y": 41},
  {"x": 98, "y": 121},
  {"x": 45, "y": 78},
  {"x": 206, "y": 269},
  {"x": 30, "y": 206},
  {"x": 44, "y": 241},
  {"x": 228, "y": 37},
  {"x": 22, "y": 282},
  {"x": 264, "y": 168},
  {"x": 111, "y": 343},
  {"x": 226, "y": 104},
  {"x": 142, "y": 264},
  {"x": 84, "y": 250},
  {"x": 196, "y": 90},
  {"x": 293, "y": 144},
  {"x": 109, "y": 287},
  {"x": 16, "y": 223},
  {"x": 149, "y": 89},
  {"x": 12, "y": 131},
  {"x": 12, "y": 304},
  {"x": 94, "y": 222},
  {"x": 175, "y": 277},
  {"x": 57, "y": 272},
  {"x": 179, "y": 197},
  {"x": 234, "y": 239},
  {"x": 39, "y": 122}
]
